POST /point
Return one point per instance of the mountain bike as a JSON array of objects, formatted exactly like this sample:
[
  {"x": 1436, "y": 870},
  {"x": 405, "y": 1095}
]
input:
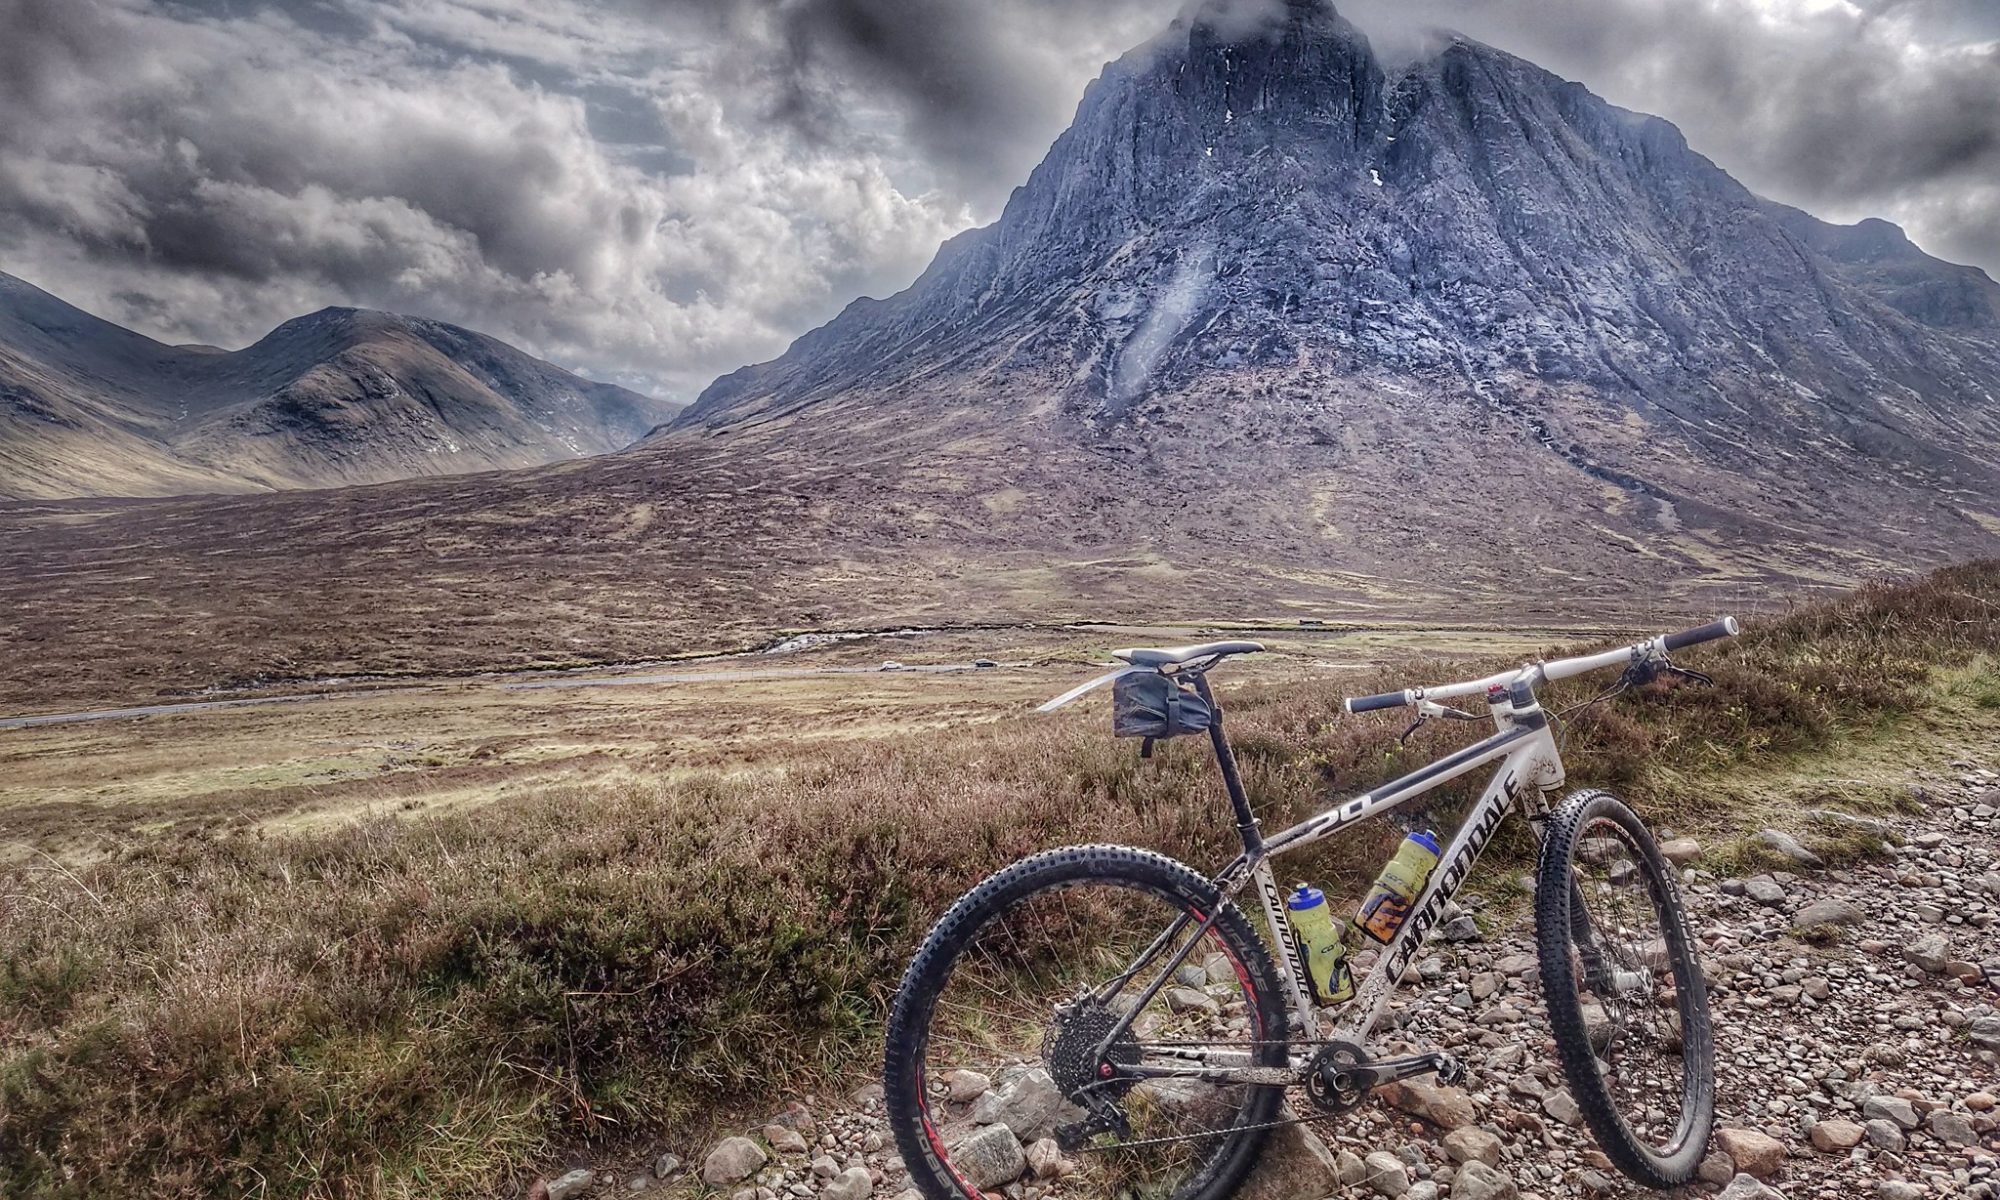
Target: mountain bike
[{"x": 1119, "y": 1003}]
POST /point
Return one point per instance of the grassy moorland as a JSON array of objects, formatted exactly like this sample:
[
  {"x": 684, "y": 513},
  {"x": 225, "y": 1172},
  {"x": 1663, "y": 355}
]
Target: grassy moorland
[
  {"x": 719, "y": 544},
  {"x": 427, "y": 1005}
]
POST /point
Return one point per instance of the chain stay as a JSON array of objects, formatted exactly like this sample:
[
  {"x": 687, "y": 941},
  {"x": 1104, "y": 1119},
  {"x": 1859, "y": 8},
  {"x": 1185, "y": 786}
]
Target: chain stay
[{"x": 1447, "y": 1067}]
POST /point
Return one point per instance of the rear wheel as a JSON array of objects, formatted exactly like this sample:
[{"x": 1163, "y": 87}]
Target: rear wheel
[
  {"x": 1009, "y": 1028},
  {"x": 1624, "y": 990}
]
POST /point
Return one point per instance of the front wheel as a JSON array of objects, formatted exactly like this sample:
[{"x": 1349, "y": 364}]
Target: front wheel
[
  {"x": 1624, "y": 990},
  {"x": 1028, "y": 1041}
]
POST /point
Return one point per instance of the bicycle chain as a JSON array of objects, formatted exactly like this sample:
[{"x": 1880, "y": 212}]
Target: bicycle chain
[{"x": 1190, "y": 1137}]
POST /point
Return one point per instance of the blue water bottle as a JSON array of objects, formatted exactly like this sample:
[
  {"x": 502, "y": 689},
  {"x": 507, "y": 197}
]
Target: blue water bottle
[{"x": 1317, "y": 937}]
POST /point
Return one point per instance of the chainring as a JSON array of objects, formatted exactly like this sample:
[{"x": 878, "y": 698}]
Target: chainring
[{"x": 1329, "y": 1083}]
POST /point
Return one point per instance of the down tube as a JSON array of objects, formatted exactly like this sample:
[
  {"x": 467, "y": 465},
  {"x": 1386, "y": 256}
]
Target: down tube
[{"x": 1508, "y": 786}]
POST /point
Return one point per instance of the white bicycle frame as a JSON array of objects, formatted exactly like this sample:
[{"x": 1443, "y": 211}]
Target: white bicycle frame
[
  {"x": 1529, "y": 769},
  {"x": 1528, "y": 764}
]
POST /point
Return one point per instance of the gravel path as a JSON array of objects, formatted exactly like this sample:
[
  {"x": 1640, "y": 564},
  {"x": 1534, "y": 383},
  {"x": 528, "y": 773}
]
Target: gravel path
[{"x": 1858, "y": 1050}]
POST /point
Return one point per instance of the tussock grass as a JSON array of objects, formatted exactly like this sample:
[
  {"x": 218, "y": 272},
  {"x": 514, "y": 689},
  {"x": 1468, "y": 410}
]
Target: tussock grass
[{"x": 426, "y": 1006}]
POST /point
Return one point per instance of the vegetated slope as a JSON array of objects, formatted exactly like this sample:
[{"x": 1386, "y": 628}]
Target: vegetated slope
[
  {"x": 338, "y": 397},
  {"x": 1267, "y": 291},
  {"x": 429, "y": 1003},
  {"x": 1555, "y": 365}
]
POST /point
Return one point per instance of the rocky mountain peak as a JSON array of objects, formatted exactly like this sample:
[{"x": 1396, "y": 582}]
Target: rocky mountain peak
[
  {"x": 1261, "y": 251},
  {"x": 1253, "y": 189}
]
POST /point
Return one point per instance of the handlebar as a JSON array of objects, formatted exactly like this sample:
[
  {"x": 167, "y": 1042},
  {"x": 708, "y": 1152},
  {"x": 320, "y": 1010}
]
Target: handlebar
[
  {"x": 1726, "y": 627},
  {"x": 1562, "y": 668},
  {"x": 1371, "y": 703}
]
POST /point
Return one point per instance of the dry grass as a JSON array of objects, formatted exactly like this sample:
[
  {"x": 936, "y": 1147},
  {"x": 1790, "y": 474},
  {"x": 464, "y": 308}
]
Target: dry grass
[
  {"x": 716, "y": 544},
  {"x": 87, "y": 789},
  {"x": 423, "y": 1006}
]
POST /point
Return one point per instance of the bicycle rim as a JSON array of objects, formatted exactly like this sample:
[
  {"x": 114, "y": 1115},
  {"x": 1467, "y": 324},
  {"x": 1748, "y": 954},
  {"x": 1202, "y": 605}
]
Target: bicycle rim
[
  {"x": 1027, "y": 1044},
  {"x": 1636, "y": 1020}
]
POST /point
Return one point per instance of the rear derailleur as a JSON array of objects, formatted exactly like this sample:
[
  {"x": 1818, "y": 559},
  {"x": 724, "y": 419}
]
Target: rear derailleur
[
  {"x": 1340, "y": 1075},
  {"x": 1101, "y": 1114}
]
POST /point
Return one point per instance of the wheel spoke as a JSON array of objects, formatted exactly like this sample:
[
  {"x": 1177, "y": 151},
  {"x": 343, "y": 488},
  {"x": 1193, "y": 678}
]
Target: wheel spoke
[{"x": 1019, "y": 1007}]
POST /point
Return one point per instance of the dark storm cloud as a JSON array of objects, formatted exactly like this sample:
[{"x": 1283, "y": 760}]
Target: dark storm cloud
[
  {"x": 1848, "y": 110},
  {"x": 562, "y": 175},
  {"x": 1873, "y": 108},
  {"x": 979, "y": 89},
  {"x": 663, "y": 190}
]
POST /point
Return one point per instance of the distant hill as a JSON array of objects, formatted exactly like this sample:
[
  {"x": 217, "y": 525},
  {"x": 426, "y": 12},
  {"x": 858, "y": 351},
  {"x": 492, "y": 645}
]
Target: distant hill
[
  {"x": 1276, "y": 331},
  {"x": 342, "y": 396}
]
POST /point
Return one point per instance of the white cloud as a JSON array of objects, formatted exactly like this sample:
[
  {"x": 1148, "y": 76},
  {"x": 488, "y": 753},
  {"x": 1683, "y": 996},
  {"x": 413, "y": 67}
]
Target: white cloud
[{"x": 214, "y": 175}]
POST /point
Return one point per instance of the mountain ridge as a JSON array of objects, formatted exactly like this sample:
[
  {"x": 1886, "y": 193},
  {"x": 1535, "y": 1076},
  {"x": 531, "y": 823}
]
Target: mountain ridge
[
  {"x": 994, "y": 252},
  {"x": 1555, "y": 368},
  {"x": 334, "y": 397},
  {"x": 1264, "y": 241}
]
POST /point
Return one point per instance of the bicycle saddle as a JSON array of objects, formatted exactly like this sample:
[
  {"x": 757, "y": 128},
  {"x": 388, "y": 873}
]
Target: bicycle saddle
[{"x": 1174, "y": 656}]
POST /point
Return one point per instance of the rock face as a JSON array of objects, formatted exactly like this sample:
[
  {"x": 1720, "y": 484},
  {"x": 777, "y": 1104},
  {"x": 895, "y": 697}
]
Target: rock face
[
  {"x": 990, "y": 1157},
  {"x": 569, "y": 1184},
  {"x": 1478, "y": 1181},
  {"x": 1930, "y": 952},
  {"x": 1446, "y": 1107},
  {"x": 1473, "y": 1145},
  {"x": 1836, "y": 1135},
  {"x": 1027, "y": 1105},
  {"x": 1744, "y": 1187},
  {"x": 340, "y": 396},
  {"x": 1829, "y": 911},
  {"x": 1294, "y": 1165},
  {"x": 1386, "y": 1174},
  {"x": 1265, "y": 239}
]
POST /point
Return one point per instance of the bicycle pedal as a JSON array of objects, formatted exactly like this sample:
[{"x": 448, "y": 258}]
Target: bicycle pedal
[{"x": 1450, "y": 1070}]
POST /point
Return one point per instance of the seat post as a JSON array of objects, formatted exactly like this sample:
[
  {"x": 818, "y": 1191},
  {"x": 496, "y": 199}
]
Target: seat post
[{"x": 1246, "y": 821}]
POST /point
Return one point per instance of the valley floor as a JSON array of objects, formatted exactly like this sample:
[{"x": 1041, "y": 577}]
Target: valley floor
[
  {"x": 434, "y": 939},
  {"x": 82, "y": 784}
]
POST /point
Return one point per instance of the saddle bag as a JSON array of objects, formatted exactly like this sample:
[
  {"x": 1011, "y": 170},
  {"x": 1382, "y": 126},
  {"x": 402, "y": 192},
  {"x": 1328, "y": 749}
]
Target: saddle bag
[{"x": 1147, "y": 704}]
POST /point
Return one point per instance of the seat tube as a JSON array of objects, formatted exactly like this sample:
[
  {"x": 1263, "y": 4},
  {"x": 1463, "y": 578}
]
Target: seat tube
[{"x": 1246, "y": 821}]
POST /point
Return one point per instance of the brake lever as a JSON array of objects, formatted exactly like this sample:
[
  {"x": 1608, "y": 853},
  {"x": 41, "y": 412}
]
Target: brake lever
[
  {"x": 1426, "y": 709},
  {"x": 1646, "y": 670}
]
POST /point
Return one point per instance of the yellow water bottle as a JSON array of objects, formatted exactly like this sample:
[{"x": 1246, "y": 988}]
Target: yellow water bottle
[
  {"x": 1318, "y": 939},
  {"x": 1397, "y": 887}
]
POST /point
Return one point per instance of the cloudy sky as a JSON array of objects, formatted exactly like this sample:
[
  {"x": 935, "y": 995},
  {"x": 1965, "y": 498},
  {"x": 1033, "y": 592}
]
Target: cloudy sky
[{"x": 657, "y": 191}]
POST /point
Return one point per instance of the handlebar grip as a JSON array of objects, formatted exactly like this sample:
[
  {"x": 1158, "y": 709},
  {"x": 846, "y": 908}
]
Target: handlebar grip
[
  {"x": 1726, "y": 627},
  {"x": 1361, "y": 704}
]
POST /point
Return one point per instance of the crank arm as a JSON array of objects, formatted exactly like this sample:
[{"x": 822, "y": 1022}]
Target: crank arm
[{"x": 1372, "y": 1075}]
